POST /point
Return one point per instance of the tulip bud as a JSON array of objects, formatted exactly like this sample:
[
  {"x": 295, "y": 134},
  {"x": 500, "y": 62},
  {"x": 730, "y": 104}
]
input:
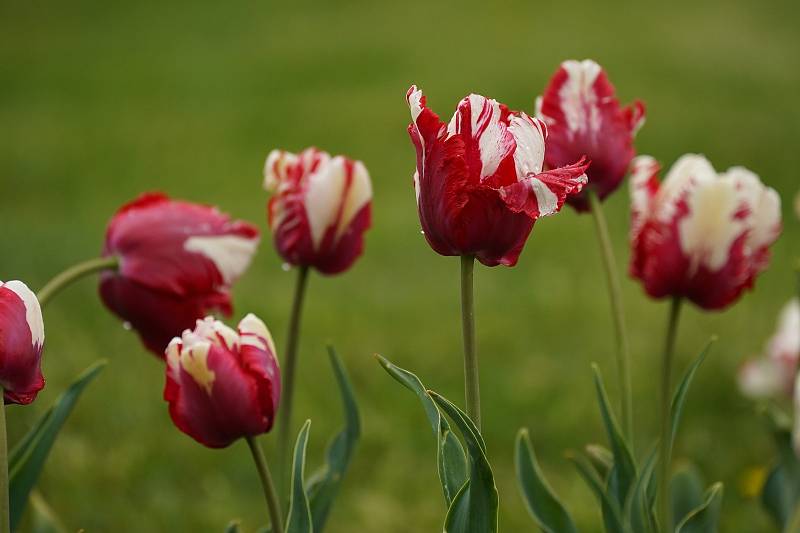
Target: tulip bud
[
  {"x": 319, "y": 209},
  {"x": 584, "y": 117},
  {"x": 222, "y": 384},
  {"x": 698, "y": 234},
  {"x": 21, "y": 342},
  {"x": 177, "y": 262},
  {"x": 479, "y": 181}
]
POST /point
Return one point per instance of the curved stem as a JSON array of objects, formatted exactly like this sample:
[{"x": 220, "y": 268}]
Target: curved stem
[
  {"x": 288, "y": 371},
  {"x": 73, "y": 274},
  {"x": 266, "y": 482},
  {"x": 617, "y": 312},
  {"x": 665, "y": 518},
  {"x": 5, "y": 509},
  {"x": 471, "y": 378}
]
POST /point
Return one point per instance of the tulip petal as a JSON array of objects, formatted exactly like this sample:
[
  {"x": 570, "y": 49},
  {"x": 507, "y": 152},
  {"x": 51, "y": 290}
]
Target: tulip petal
[{"x": 544, "y": 194}]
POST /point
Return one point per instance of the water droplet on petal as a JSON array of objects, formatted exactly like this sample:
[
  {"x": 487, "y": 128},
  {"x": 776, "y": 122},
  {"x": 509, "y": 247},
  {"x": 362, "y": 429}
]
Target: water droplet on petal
[
  {"x": 422, "y": 232},
  {"x": 286, "y": 267},
  {"x": 127, "y": 326}
]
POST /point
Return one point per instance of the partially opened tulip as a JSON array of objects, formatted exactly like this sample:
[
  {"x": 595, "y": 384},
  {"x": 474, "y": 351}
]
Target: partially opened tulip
[
  {"x": 480, "y": 187},
  {"x": 223, "y": 385},
  {"x": 772, "y": 375},
  {"x": 320, "y": 208},
  {"x": 480, "y": 183},
  {"x": 584, "y": 117},
  {"x": 176, "y": 262},
  {"x": 700, "y": 235},
  {"x": 21, "y": 343}
]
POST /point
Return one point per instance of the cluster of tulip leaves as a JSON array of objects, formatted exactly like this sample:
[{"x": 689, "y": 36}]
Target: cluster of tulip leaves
[
  {"x": 26, "y": 460},
  {"x": 780, "y": 494},
  {"x": 310, "y": 500},
  {"x": 625, "y": 488}
]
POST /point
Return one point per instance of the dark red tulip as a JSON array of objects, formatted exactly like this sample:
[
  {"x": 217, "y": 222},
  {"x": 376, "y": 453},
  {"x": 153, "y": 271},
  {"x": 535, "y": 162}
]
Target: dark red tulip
[{"x": 21, "y": 342}]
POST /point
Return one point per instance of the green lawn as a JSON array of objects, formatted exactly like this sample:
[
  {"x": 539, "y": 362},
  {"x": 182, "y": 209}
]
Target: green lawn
[{"x": 102, "y": 100}]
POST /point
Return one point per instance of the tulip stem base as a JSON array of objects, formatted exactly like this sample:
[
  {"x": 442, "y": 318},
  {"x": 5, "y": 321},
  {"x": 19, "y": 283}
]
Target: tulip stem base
[
  {"x": 618, "y": 314},
  {"x": 471, "y": 377},
  {"x": 266, "y": 482},
  {"x": 74, "y": 273},
  {"x": 665, "y": 446},
  {"x": 288, "y": 371}
]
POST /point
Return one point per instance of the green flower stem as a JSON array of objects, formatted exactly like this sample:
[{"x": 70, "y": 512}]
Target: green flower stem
[
  {"x": 471, "y": 378},
  {"x": 266, "y": 482},
  {"x": 5, "y": 512},
  {"x": 73, "y": 274},
  {"x": 288, "y": 371},
  {"x": 664, "y": 454},
  {"x": 618, "y": 314}
]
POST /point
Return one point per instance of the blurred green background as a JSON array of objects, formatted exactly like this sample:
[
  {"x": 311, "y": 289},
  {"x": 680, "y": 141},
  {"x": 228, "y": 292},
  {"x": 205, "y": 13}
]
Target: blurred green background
[{"x": 102, "y": 100}]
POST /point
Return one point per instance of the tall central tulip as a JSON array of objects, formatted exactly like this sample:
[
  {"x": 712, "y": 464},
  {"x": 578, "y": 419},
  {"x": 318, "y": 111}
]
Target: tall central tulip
[
  {"x": 177, "y": 261},
  {"x": 480, "y": 183}
]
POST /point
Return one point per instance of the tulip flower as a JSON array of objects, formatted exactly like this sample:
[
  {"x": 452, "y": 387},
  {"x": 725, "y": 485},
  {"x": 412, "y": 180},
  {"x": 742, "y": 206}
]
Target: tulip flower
[
  {"x": 319, "y": 209},
  {"x": 583, "y": 116},
  {"x": 480, "y": 187},
  {"x": 773, "y": 374},
  {"x": 21, "y": 342},
  {"x": 176, "y": 262},
  {"x": 223, "y": 385},
  {"x": 700, "y": 235},
  {"x": 480, "y": 183}
]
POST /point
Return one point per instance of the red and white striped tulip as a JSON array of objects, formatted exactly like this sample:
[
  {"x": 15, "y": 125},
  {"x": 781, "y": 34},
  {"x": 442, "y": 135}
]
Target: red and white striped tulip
[
  {"x": 699, "y": 234},
  {"x": 21, "y": 343},
  {"x": 320, "y": 208},
  {"x": 222, "y": 384},
  {"x": 773, "y": 374},
  {"x": 584, "y": 117},
  {"x": 177, "y": 262},
  {"x": 479, "y": 182}
]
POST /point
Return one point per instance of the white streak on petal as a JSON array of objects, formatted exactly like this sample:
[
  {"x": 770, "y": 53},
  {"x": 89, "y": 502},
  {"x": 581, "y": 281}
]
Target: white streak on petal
[
  {"x": 494, "y": 142},
  {"x": 643, "y": 168},
  {"x": 255, "y": 333},
  {"x": 577, "y": 96},
  {"x": 33, "y": 311},
  {"x": 275, "y": 168},
  {"x": 415, "y": 103},
  {"x": 529, "y": 137},
  {"x": 194, "y": 362},
  {"x": 173, "y": 355},
  {"x": 325, "y": 188},
  {"x": 709, "y": 230},
  {"x": 231, "y": 254},
  {"x": 687, "y": 172},
  {"x": 358, "y": 195},
  {"x": 546, "y": 199}
]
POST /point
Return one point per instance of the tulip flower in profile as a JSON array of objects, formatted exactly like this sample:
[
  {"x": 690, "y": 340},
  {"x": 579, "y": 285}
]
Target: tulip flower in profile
[
  {"x": 223, "y": 385},
  {"x": 21, "y": 342},
  {"x": 700, "y": 235},
  {"x": 176, "y": 262},
  {"x": 480, "y": 183},
  {"x": 319, "y": 209},
  {"x": 773, "y": 374},
  {"x": 584, "y": 117}
]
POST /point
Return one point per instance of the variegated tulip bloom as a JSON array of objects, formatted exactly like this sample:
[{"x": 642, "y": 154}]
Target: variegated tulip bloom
[
  {"x": 584, "y": 117},
  {"x": 480, "y": 183},
  {"x": 319, "y": 209},
  {"x": 21, "y": 343},
  {"x": 699, "y": 234}
]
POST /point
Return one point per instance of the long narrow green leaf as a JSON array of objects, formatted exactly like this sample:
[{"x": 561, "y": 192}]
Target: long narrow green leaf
[
  {"x": 623, "y": 473},
  {"x": 704, "y": 519},
  {"x": 545, "y": 507},
  {"x": 611, "y": 511},
  {"x": 27, "y": 459},
  {"x": 43, "y": 518},
  {"x": 639, "y": 509},
  {"x": 299, "y": 517},
  {"x": 323, "y": 485},
  {"x": 601, "y": 458},
  {"x": 686, "y": 489},
  {"x": 451, "y": 460},
  {"x": 679, "y": 398},
  {"x": 475, "y": 507}
]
